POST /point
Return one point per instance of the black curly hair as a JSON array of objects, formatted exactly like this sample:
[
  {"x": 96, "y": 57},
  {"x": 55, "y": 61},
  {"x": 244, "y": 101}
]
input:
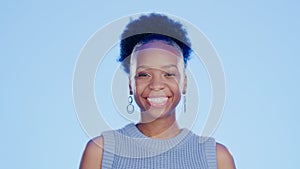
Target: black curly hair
[{"x": 152, "y": 27}]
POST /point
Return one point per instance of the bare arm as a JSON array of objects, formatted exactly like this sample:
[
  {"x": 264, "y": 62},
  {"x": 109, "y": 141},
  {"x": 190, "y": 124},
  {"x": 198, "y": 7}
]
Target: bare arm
[
  {"x": 92, "y": 155},
  {"x": 224, "y": 158}
]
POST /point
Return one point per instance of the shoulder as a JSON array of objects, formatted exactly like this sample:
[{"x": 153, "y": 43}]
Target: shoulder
[
  {"x": 92, "y": 155},
  {"x": 224, "y": 157},
  {"x": 95, "y": 143}
]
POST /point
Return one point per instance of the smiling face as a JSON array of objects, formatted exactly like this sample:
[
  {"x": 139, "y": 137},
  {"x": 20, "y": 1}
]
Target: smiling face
[{"x": 158, "y": 72}]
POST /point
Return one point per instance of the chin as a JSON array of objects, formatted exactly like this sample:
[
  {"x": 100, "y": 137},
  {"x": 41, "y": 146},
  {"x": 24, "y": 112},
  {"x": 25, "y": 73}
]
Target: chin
[{"x": 155, "y": 114}]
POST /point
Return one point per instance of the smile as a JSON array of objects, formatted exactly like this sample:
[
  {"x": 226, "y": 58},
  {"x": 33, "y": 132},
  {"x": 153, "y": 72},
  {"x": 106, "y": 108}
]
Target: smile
[{"x": 157, "y": 101}]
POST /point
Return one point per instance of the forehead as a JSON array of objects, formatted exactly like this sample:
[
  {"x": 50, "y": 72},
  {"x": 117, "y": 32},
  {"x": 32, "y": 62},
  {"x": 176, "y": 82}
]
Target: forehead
[{"x": 157, "y": 53}]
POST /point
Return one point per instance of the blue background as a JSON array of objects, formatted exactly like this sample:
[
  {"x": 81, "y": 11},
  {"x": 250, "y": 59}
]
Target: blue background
[{"x": 257, "y": 41}]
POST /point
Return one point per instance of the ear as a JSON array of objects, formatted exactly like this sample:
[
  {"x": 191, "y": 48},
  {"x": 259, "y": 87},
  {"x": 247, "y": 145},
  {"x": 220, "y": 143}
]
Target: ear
[
  {"x": 184, "y": 85},
  {"x": 130, "y": 88}
]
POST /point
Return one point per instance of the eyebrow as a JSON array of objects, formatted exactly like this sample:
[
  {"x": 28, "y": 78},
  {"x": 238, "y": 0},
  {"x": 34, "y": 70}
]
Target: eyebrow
[{"x": 166, "y": 66}]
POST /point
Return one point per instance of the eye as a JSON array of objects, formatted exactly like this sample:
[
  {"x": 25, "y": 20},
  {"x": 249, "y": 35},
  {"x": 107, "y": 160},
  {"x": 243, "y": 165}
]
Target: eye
[
  {"x": 143, "y": 74},
  {"x": 170, "y": 74}
]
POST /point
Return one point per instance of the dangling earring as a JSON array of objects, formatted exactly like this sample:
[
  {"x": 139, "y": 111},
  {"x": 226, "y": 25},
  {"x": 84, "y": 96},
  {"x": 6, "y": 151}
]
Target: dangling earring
[
  {"x": 184, "y": 104},
  {"x": 130, "y": 107}
]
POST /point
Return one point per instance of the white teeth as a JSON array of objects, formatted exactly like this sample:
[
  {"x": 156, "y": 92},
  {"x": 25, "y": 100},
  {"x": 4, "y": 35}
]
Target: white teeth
[{"x": 157, "y": 100}]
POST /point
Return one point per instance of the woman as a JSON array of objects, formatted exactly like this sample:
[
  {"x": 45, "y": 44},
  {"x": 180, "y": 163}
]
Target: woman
[{"x": 154, "y": 52}]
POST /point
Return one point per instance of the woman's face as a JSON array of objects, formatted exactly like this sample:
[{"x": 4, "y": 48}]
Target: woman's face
[{"x": 159, "y": 78}]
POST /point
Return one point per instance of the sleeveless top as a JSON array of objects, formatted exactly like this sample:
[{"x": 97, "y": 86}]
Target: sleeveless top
[{"x": 129, "y": 148}]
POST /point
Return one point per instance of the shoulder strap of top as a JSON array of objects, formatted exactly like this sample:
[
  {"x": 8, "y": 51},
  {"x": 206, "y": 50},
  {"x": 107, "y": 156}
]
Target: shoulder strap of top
[
  {"x": 210, "y": 151},
  {"x": 108, "y": 149}
]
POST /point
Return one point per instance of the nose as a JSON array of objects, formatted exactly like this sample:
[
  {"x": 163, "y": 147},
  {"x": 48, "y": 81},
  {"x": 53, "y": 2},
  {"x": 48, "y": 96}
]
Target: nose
[{"x": 157, "y": 82}]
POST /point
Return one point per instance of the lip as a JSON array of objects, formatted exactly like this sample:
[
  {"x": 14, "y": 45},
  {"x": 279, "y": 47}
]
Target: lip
[{"x": 157, "y": 101}]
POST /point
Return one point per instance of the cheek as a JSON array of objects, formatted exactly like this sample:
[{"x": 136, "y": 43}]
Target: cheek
[
  {"x": 140, "y": 87},
  {"x": 177, "y": 91},
  {"x": 175, "y": 85}
]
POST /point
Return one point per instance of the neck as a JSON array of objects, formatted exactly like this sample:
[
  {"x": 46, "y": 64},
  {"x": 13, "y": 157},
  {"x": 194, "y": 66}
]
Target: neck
[{"x": 160, "y": 128}]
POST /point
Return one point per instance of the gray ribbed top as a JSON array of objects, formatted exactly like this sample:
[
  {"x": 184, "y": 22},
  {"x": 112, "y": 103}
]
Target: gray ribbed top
[{"x": 129, "y": 148}]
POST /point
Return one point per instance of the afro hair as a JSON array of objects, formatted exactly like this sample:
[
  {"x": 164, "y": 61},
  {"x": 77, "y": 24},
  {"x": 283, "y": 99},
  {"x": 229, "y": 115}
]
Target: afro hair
[{"x": 152, "y": 27}]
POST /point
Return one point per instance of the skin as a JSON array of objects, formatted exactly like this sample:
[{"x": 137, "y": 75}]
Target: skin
[
  {"x": 157, "y": 76},
  {"x": 157, "y": 92}
]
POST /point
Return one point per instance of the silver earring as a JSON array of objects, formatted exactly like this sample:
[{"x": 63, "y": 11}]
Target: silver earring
[
  {"x": 130, "y": 107},
  {"x": 184, "y": 104}
]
